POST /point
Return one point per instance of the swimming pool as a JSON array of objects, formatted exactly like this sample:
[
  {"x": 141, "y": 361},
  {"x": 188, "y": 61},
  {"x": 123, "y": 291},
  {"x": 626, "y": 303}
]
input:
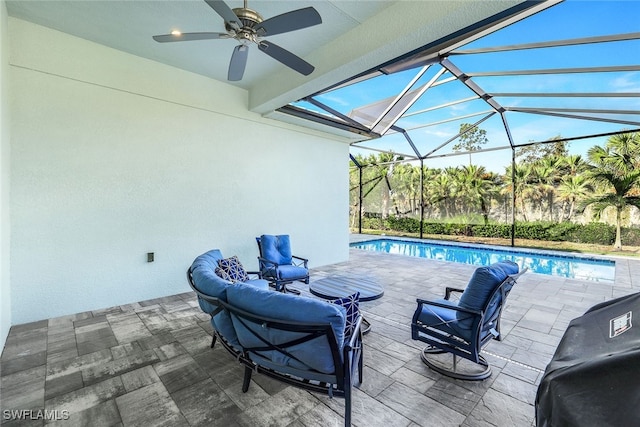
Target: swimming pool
[{"x": 585, "y": 268}]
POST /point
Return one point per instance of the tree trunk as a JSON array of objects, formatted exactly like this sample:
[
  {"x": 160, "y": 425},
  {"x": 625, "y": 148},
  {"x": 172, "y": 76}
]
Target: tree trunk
[
  {"x": 571, "y": 209},
  {"x": 523, "y": 210},
  {"x": 618, "y": 244},
  {"x": 483, "y": 207}
]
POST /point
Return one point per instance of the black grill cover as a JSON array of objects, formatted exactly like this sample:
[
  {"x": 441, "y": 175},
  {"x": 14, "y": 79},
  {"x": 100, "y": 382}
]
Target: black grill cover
[{"x": 593, "y": 378}]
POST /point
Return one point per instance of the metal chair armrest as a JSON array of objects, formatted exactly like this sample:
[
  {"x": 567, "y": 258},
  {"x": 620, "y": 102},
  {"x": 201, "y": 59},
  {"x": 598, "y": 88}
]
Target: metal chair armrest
[
  {"x": 266, "y": 261},
  {"x": 356, "y": 334},
  {"x": 352, "y": 353},
  {"x": 448, "y": 290},
  {"x": 254, "y": 273},
  {"x": 268, "y": 268},
  {"x": 301, "y": 259},
  {"x": 422, "y": 302}
]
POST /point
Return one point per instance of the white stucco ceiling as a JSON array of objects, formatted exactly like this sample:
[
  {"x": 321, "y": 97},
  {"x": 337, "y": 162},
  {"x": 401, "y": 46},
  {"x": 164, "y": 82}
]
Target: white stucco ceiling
[{"x": 353, "y": 37}]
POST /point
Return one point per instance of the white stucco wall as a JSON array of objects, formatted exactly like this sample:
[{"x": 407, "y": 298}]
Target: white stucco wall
[
  {"x": 114, "y": 156},
  {"x": 5, "y": 288}
]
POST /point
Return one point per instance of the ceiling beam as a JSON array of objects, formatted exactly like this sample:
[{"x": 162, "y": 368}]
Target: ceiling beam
[
  {"x": 402, "y": 27},
  {"x": 554, "y": 43}
]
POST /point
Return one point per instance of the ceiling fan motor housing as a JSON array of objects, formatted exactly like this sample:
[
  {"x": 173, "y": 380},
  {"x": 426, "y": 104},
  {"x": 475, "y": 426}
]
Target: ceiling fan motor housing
[{"x": 249, "y": 18}]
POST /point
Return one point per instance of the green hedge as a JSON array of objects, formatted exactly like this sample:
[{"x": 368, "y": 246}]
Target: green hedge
[{"x": 594, "y": 233}]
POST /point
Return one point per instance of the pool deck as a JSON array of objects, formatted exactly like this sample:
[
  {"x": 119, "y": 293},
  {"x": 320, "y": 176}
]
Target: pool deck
[{"x": 149, "y": 363}]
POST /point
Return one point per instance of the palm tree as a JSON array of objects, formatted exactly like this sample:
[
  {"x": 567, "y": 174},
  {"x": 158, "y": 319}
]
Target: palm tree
[
  {"x": 375, "y": 176},
  {"x": 544, "y": 186},
  {"x": 613, "y": 167},
  {"x": 572, "y": 184},
  {"x": 378, "y": 173},
  {"x": 406, "y": 183},
  {"x": 523, "y": 186},
  {"x": 476, "y": 187},
  {"x": 573, "y": 188},
  {"x": 622, "y": 152},
  {"x": 429, "y": 175},
  {"x": 546, "y": 171},
  {"x": 618, "y": 196},
  {"x": 440, "y": 192},
  {"x": 573, "y": 164}
]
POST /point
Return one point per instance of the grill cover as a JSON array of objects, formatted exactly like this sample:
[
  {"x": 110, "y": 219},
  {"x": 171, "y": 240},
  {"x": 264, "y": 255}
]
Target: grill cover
[{"x": 593, "y": 378}]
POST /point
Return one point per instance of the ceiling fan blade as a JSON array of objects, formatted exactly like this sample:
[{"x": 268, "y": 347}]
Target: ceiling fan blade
[
  {"x": 290, "y": 21},
  {"x": 287, "y": 58},
  {"x": 225, "y": 12},
  {"x": 238, "y": 63},
  {"x": 183, "y": 37}
]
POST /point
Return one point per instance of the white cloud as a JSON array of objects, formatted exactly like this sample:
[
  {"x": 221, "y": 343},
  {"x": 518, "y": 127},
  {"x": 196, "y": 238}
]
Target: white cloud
[{"x": 628, "y": 82}]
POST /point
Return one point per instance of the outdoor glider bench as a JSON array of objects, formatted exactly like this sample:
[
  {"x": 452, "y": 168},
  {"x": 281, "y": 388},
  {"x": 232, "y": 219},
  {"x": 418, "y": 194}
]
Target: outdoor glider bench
[{"x": 305, "y": 342}]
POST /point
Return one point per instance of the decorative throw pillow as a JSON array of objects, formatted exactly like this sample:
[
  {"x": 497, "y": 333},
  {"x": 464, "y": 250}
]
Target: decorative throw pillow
[
  {"x": 352, "y": 305},
  {"x": 222, "y": 274},
  {"x": 234, "y": 269}
]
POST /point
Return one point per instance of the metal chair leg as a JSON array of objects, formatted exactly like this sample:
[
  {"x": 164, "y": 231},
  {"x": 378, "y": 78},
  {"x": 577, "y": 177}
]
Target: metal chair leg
[
  {"x": 479, "y": 371},
  {"x": 282, "y": 287},
  {"x": 289, "y": 291},
  {"x": 247, "y": 379}
]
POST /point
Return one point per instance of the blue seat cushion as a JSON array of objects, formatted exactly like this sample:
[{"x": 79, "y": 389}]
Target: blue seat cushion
[
  {"x": 291, "y": 272},
  {"x": 276, "y": 248},
  {"x": 314, "y": 354},
  {"x": 446, "y": 320},
  {"x": 222, "y": 321}
]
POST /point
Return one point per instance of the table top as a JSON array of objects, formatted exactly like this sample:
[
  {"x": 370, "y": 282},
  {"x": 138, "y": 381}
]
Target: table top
[{"x": 339, "y": 286}]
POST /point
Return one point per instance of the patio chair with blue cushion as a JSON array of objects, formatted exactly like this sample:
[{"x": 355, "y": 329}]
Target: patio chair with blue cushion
[
  {"x": 462, "y": 328},
  {"x": 278, "y": 265}
]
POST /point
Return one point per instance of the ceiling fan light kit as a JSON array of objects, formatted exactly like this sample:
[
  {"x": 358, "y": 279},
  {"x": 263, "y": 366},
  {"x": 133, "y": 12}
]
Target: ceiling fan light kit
[{"x": 247, "y": 26}]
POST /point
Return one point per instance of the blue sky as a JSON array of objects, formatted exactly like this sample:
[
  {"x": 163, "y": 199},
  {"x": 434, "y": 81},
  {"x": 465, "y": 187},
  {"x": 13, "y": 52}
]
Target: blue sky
[{"x": 568, "y": 20}]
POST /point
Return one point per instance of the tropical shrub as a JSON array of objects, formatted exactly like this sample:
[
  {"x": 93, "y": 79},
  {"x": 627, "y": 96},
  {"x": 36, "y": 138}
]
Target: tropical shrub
[
  {"x": 592, "y": 233},
  {"x": 533, "y": 230},
  {"x": 492, "y": 230},
  {"x": 595, "y": 233}
]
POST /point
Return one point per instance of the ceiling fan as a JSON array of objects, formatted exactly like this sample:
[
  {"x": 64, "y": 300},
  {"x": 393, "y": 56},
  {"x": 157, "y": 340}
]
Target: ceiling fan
[{"x": 246, "y": 26}]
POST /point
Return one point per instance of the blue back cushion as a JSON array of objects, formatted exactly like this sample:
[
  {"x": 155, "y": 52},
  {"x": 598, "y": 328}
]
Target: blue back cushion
[
  {"x": 208, "y": 282},
  {"x": 493, "y": 305},
  {"x": 315, "y": 354},
  {"x": 276, "y": 248},
  {"x": 482, "y": 284},
  {"x": 203, "y": 270}
]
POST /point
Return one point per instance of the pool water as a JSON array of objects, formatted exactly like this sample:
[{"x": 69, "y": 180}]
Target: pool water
[{"x": 574, "y": 267}]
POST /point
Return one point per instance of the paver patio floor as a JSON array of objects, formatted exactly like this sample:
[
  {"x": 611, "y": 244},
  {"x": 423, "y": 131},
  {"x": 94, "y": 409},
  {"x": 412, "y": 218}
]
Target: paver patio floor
[{"x": 149, "y": 363}]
